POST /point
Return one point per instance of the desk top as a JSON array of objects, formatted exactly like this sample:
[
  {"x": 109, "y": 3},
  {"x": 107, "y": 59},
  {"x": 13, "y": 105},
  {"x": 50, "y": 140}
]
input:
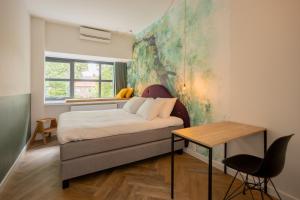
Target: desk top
[{"x": 214, "y": 134}]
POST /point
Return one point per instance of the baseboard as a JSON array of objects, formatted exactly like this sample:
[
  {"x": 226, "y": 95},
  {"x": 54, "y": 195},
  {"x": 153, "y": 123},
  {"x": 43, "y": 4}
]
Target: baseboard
[
  {"x": 4, "y": 180},
  {"x": 220, "y": 166},
  {"x": 216, "y": 164}
]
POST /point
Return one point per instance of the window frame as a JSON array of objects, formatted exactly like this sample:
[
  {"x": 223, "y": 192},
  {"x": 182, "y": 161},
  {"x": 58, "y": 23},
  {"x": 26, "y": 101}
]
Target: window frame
[{"x": 72, "y": 79}]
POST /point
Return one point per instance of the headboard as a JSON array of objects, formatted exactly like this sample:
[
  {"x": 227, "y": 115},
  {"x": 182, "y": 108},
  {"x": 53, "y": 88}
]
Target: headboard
[{"x": 179, "y": 110}]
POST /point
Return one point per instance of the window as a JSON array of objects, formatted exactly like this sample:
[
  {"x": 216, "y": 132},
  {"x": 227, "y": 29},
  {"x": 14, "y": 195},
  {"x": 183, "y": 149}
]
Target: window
[{"x": 66, "y": 78}]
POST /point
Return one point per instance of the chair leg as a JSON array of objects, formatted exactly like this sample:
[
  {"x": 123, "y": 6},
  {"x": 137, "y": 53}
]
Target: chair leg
[
  {"x": 44, "y": 138},
  {"x": 262, "y": 194},
  {"x": 252, "y": 195},
  {"x": 260, "y": 189},
  {"x": 235, "y": 193},
  {"x": 275, "y": 189},
  {"x": 33, "y": 138},
  {"x": 249, "y": 187},
  {"x": 245, "y": 186},
  {"x": 230, "y": 185}
]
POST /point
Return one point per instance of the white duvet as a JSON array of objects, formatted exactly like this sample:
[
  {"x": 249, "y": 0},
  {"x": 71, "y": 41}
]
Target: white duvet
[{"x": 82, "y": 125}]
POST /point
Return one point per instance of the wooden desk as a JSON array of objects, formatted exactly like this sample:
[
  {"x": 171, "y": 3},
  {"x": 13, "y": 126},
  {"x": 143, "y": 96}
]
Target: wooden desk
[{"x": 210, "y": 135}]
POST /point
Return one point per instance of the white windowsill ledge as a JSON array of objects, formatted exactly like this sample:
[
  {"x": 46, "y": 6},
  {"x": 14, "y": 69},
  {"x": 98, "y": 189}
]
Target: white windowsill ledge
[
  {"x": 62, "y": 103},
  {"x": 55, "y": 103}
]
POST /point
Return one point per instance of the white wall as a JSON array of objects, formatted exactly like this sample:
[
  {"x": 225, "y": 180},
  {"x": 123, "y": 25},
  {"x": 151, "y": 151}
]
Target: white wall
[
  {"x": 14, "y": 48},
  {"x": 65, "y": 38},
  {"x": 49, "y": 36},
  {"x": 38, "y": 109},
  {"x": 265, "y": 78},
  {"x": 217, "y": 90},
  {"x": 37, "y": 69}
]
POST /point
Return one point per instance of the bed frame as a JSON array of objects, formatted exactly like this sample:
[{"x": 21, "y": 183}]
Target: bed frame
[{"x": 86, "y": 164}]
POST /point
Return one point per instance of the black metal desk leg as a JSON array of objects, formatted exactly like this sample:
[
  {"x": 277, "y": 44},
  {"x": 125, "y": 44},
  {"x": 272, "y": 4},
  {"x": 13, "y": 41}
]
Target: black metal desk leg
[
  {"x": 172, "y": 167},
  {"x": 225, "y": 156},
  {"x": 210, "y": 174},
  {"x": 265, "y": 152}
]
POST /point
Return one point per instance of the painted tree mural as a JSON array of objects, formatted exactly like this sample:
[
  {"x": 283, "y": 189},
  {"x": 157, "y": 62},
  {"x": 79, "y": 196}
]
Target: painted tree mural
[{"x": 158, "y": 57}]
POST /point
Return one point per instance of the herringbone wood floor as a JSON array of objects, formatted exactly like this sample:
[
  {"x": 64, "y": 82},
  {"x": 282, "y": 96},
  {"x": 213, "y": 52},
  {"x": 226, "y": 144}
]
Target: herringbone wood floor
[{"x": 37, "y": 178}]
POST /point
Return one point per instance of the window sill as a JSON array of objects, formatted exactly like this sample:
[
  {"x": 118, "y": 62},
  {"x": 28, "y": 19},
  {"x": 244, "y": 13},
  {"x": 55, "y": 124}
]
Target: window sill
[
  {"x": 85, "y": 102},
  {"x": 55, "y": 103}
]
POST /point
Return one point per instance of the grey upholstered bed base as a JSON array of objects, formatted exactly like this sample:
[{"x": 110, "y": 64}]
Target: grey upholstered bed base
[{"x": 88, "y": 156}]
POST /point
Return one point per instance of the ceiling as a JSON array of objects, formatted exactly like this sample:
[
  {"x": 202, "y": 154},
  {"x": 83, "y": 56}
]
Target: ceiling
[{"x": 115, "y": 15}]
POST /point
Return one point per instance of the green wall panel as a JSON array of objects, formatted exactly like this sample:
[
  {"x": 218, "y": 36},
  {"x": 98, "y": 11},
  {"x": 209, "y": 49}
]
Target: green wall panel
[{"x": 14, "y": 129}]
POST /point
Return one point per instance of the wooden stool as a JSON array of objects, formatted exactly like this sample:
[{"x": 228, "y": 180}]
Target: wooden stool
[{"x": 40, "y": 128}]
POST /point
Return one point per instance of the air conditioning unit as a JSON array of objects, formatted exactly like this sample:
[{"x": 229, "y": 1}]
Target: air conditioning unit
[{"x": 93, "y": 34}]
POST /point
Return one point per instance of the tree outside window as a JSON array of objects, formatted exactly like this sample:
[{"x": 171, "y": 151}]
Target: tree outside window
[{"x": 65, "y": 78}]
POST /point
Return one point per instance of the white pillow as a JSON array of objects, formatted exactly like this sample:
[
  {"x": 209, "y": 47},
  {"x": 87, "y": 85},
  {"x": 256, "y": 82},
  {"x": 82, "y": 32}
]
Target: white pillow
[
  {"x": 133, "y": 104},
  {"x": 167, "y": 108},
  {"x": 150, "y": 108}
]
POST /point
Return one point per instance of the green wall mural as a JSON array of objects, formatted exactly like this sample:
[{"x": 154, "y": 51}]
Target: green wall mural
[{"x": 158, "y": 57}]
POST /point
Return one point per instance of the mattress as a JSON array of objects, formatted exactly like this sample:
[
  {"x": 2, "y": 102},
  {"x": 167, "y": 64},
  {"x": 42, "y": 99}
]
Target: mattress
[
  {"x": 84, "y": 125},
  {"x": 77, "y": 149}
]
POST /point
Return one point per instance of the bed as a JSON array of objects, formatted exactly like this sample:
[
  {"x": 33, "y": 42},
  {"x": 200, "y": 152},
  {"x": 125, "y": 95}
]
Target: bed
[{"x": 85, "y": 150}]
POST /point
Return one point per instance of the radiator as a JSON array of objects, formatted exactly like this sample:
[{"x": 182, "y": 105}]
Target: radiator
[{"x": 94, "y": 107}]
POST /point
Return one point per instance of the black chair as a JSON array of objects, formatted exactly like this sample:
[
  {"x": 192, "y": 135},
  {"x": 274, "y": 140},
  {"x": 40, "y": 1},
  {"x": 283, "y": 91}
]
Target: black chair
[{"x": 259, "y": 169}]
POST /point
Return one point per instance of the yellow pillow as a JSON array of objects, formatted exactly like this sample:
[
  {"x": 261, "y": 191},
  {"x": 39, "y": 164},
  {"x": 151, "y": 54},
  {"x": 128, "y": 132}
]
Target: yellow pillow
[
  {"x": 129, "y": 92},
  {"x": 122, "y": 93}
]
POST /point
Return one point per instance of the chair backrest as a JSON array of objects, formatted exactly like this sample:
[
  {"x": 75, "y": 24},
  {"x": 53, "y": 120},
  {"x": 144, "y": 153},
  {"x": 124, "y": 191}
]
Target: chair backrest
[{"x": 274, "y": 160}]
